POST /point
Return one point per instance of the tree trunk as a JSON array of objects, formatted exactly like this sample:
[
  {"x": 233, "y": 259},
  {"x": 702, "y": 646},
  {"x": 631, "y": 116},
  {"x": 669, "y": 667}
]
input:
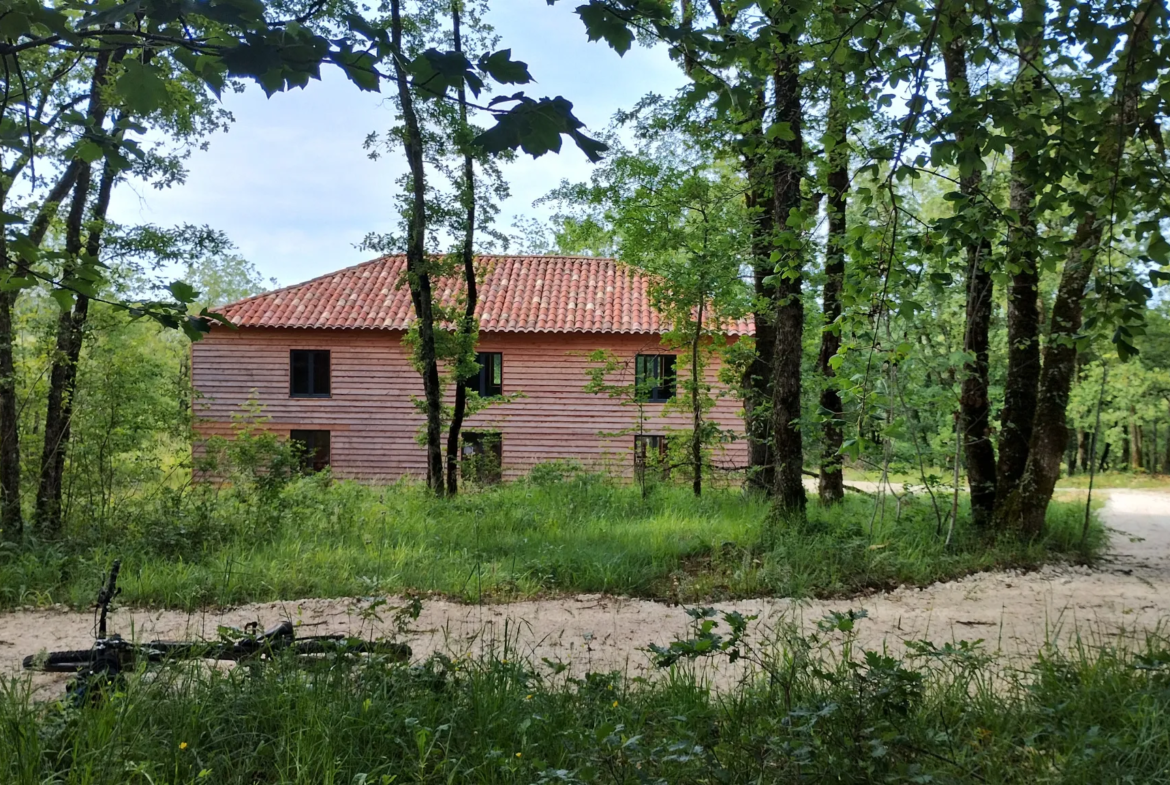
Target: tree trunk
[
  {"x": 758, "y": 376},
  {"x": 1023, "y": 263},
  {"x": 11, "y": 515},
  {"x": 11, "y": 519},
  {"x": 467, "y": 327},
  {"x": 1049, "y": 432},
  {"x": 70, "y": 336},
  {"x": 696, "y": 408},
  {"x": 1085, "y": 458},
  {"x": 418, "y": 275},
  {"x": 831, "y": 483},
  {"x": 788, "y": 497},
  {"x": 974, "y": 398},
  {"x": 1135, "y": 439}
]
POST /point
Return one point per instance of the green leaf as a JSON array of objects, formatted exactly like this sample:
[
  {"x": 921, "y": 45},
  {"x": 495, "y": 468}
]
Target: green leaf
[
  {"x": 437, "y": 72},
  {"x": 602, "y": 23},
  {"x": 781, "y": 131},
  {"x": 64, "y": 298},
  {"x": 501, "y": 67},
  {"x": 141, "y": 88},
  {"x": 1159, "y": 249},
  {"x": 183, "y": 291},
  {"x": 359, "y": 67}
]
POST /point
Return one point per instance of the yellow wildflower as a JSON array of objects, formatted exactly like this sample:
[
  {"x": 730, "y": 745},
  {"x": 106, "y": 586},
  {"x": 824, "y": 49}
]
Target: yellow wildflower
[{"x": 182, "y": 745}]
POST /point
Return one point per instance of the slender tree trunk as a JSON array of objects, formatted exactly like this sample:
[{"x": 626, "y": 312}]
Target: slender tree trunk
[
  {"x": 831, "y": 483},
  {"x": 11, "y": 519},
  {"x": 1136, "y": 447},
  {"x": 418, "y": 274},
  {"x": 1084, "y": 451},
  {"x": 1023, "y": 263},
  {"x": 1049, "y": 432},
  {"x": 974, "y": 398},
  {"x": 70, "y": 336},
  {"x": 11, "y": 515},
  {"x": 467, "y": 327},
  {"x": 788, "y": 497},
  {"x": 758, "y": 376},
  {"x": 696, "y": 407}
]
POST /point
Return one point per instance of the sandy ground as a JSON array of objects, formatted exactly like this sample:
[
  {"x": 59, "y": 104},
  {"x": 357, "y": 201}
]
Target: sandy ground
[{"x": 1015, "y": 614}]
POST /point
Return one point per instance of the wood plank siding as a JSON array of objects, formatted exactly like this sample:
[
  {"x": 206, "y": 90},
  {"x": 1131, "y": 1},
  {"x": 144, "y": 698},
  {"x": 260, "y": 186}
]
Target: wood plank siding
[{"x": 374, "y": 424}]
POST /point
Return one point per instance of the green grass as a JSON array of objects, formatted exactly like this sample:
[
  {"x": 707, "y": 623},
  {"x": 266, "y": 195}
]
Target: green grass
[
  {"x": 312, "y": 538},
  {"x": 940, "y": 716}
]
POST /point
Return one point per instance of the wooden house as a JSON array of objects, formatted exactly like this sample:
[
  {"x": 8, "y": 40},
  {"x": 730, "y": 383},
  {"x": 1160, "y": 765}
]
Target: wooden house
[{"x": 326, "y": 362}]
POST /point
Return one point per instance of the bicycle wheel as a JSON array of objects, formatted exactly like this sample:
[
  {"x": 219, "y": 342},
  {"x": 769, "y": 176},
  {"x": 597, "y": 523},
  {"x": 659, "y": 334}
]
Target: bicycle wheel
[
  {"x": 63, "y": 661},
  {"x": 337, "y": 644}
]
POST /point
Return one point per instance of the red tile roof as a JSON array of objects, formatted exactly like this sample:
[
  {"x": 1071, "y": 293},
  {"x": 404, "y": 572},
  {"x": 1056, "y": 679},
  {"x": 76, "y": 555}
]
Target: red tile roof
[{"x": 516, "y": 294}]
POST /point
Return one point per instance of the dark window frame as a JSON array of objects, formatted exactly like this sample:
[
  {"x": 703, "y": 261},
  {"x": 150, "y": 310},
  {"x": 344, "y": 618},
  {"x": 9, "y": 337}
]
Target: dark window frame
[
  {"x": 313, "y": 356},
  {"x": 311, "y": 457},
  {"x": 663, "y": 366},
  {"x": 489, "y": 382}
]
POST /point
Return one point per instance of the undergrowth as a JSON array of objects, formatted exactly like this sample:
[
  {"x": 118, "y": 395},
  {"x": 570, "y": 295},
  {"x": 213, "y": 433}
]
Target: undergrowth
[
  {"x": 818, "y": 710},
  {"x": 265, "y": 540}
]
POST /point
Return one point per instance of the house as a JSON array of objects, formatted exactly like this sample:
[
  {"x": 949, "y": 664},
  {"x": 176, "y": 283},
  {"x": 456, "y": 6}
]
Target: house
[{"x": 326, "y": 361}]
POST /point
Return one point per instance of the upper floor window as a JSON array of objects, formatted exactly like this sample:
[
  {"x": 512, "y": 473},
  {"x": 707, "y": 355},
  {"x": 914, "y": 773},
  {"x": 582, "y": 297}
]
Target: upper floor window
[
  {"x": 490, "y": 380},
  {"x": 654, "y": 377},
  {"x": 308, "y": 375}
]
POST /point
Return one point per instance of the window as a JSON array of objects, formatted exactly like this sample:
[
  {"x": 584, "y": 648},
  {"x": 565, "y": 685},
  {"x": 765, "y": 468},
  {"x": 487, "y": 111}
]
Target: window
[
  {"x": 490, "y": 380},
  {"x": 308, "y": 375},
  {"x": 654, "y": 377},
  {"x": 483, "y": 456},
  {"x": 315, "y": 448},
  {"x": 650, "y": 451}
]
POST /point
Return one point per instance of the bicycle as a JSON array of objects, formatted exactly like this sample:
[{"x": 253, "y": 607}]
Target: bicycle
[{"x": 104, "y": 662}]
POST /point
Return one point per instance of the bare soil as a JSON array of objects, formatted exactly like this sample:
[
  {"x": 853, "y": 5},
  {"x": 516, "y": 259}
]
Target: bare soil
[{"x": 1016, "y": 614}]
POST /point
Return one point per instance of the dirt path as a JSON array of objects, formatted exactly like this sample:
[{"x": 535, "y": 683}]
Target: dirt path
[{"x": 1014, "y": 613}]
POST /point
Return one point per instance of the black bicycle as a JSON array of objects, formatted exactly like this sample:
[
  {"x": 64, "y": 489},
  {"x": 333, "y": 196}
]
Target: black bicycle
[{"x": 111, "y": 655}]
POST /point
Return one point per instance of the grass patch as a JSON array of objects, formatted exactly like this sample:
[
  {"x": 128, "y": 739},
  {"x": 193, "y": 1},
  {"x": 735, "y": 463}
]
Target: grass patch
[
  {"x": 314, "y": 538},
  {"x": 947, "y": 715}
]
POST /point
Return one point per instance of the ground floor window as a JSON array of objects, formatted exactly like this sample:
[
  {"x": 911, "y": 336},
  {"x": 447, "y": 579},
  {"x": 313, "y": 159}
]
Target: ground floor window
[
  {"x": 314, "y": 448},
  {"x": 483, "y": 456},
  {"x": 650, "y": 453}
]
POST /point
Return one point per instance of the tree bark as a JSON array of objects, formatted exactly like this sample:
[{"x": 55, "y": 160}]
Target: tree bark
[
  {"x": 758, "y": 375},
  {"x": 974, "y": 397},
  {"x": 416, "y": 260},
  {"x": 11, "y": 518},
  {"x": 696, "y": 407},
  {"x": 1137, "y": 462},
  {"x": 63, "y": 373},
  {"x": 831, "y": 483},
  {"x": 467, "y": 325},
  {"x": 788, "y": 497},
  {"x": 1085, "y": 458},
  {"x": 71, "y": 323},
  {"x": 1049, "y": 431},
  {"x": 1023, "y": 314},
  {"x": 11, "y": 514}
]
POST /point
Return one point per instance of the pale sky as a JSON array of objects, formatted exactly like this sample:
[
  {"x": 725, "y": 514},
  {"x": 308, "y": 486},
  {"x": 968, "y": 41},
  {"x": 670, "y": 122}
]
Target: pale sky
[{"x": 291, "y": 185}]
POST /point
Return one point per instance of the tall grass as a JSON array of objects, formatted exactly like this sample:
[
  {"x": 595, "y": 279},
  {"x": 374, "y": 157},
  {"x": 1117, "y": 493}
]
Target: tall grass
[
  {"x": 935, "y": 716},
  {"x": 313, "y": 537}
]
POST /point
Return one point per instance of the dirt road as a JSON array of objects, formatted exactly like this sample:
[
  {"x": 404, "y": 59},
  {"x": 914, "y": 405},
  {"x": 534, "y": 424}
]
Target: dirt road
[{"x": 1126, "y": 597}]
